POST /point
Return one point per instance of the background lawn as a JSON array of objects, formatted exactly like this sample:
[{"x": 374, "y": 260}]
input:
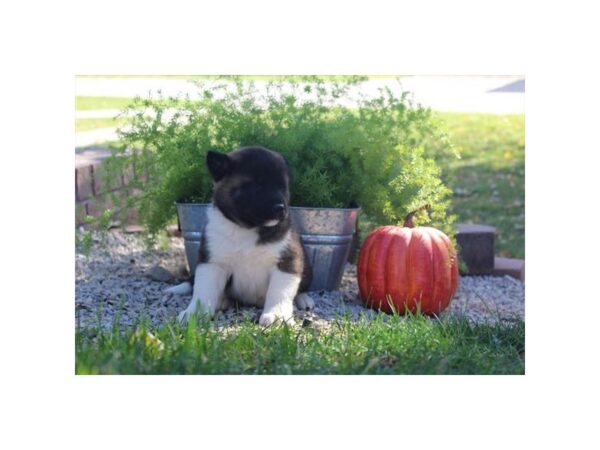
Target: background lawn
[
  {"x": 385, "y": 345},
  {"x": 91, "y": 103},
  {"x": 489, "y": 179},
  {"x": 100, "y": 122}
]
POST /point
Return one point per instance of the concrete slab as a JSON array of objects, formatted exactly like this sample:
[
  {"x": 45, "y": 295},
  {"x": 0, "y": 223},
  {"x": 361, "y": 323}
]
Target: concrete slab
[
  {"x": 508, "y": 266},
  {"x": 88, "y": 138},
  {"x": 90, "y": 156}
]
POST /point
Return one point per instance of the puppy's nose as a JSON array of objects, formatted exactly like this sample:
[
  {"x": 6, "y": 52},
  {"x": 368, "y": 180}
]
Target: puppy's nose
[{"x": 279, "y": 208}]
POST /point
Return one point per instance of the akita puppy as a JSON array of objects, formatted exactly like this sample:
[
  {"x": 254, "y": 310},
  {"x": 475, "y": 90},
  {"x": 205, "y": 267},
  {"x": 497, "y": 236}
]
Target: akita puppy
[{"x": 249, "y": 251}]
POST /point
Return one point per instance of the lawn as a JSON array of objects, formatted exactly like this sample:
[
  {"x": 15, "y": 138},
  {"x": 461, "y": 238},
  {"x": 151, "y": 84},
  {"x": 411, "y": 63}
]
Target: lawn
[
  {"x": 489, "y": 179},
  {"x": 93, "y": 103},
  {"x": 98, "y": 123},
  {"x": 386, "y": 345}
]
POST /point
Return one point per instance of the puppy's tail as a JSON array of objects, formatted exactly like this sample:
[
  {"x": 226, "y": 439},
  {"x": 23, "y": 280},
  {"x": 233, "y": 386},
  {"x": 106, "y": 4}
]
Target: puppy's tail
[{"x": 181, "y": 289}]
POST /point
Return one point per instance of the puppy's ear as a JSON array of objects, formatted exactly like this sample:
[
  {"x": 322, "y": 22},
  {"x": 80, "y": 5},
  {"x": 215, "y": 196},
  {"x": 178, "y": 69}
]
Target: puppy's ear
[{"x": 219, "y": 164}]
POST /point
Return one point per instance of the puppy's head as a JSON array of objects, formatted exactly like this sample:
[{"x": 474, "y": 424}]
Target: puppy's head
[{"x": 251, "y": 186}]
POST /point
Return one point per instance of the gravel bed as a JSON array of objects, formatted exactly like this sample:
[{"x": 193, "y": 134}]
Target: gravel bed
[{"x": 113, "y": 279}]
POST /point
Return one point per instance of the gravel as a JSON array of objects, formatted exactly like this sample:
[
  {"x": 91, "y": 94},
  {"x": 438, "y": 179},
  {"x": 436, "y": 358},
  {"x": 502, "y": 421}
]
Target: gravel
[{"x": 122, "y": 277}]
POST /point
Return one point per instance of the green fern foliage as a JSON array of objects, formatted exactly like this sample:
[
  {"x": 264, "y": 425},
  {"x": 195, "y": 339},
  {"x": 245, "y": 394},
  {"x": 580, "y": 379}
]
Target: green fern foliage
[{"x": 344, "y": 149}]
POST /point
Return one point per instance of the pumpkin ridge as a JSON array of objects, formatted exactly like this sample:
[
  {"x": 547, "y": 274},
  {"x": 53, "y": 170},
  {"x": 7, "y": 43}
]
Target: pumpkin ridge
[
  {"x": 364, "y": 275},
  {"x": 406, "y": 233},
  {"x": 453, "y": 260},
  {"x": 427, "y": 302},
  {"x": 388, "y": 275},
  {"x": 363, "y": 258},
  {"x": 384, "y": 242},
  {"x": 422, "y": 275},
  {"x": 454, "y": 267},
  {"x": 373, "y": 267},
  {"x": 440, "y": 270},
  {"x": 409, "y": 267},
  {"x": 388, "y": 255}
]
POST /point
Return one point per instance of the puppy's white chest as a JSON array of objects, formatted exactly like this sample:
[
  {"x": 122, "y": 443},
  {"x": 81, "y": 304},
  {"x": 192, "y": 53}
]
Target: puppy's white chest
[
  {"x": 251, "y": 272},
  {"x": 248, "y": 263}
]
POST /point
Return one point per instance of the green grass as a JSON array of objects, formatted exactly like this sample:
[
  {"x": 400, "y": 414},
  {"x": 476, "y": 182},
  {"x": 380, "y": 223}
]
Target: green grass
[
  {"x": 94, "y": 124},
  {"x": 489, "y": 179},
  {"x": 93, "y": 103},
  {"x": 386, "y": 345}
]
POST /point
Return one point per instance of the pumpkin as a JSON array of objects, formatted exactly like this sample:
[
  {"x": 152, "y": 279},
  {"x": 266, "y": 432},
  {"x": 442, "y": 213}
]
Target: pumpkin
[{"x": 407, "y": 269}]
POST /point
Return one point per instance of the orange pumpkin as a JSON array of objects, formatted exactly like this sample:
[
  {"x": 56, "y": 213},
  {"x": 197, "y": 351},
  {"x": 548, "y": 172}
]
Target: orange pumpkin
[{"x": 406, "y": 269}]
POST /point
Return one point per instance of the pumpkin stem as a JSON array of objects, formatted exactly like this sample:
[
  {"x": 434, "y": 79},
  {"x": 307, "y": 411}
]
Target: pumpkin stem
[{"x": 408, "y": 222}]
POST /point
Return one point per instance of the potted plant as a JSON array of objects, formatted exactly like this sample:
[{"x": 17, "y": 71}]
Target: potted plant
[{"x": 344, "y": 151}]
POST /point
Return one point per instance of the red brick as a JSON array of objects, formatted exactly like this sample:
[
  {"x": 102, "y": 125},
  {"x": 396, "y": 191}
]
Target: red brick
[
  {"x": 97, "y": 205},
  {"x": 128, "y": 175},
  {"x": 507, "y": 266},
  {"x": 132, "y": 217},
  {"x": 100, "y": 185},
  {"x": 80, "y": 213},
  {"x": 128, "y": 193},
  {"x": 93, "y": 209},
  {"x": 83, "y": 183},
  {"x": 142, "y": 172}
]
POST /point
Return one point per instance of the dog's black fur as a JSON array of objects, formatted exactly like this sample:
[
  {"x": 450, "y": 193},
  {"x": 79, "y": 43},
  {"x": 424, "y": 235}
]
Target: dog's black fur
[{"x": 251, "y": 189}]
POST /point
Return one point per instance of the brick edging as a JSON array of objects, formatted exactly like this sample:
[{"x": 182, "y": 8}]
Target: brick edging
[{"x": 93, "y": 195}]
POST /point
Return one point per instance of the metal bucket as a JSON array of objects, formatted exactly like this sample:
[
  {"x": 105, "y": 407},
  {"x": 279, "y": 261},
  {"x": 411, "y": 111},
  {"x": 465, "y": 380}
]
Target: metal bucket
[{"x": 326, "y": 235}]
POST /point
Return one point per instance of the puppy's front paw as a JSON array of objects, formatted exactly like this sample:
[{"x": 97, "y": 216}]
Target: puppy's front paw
[
  {"x": 267, "y": 319},
  {"x": 184, "y": 316},
  {"x": 201, "y": 309},
  {"x": 305, "y": 302}
]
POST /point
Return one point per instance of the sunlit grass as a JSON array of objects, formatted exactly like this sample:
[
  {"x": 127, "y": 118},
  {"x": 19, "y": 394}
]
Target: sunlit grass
[
  {"x": 97, "y": 123},
  {"x": 489, "y": 179},
  {"x": 83, "y": 103},
  {"x": 386, "y": 345}
]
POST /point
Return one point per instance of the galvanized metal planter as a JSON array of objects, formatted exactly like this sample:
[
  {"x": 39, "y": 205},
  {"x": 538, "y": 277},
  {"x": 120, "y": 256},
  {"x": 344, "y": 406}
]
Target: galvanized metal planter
[{"x": 326, "y": 235}]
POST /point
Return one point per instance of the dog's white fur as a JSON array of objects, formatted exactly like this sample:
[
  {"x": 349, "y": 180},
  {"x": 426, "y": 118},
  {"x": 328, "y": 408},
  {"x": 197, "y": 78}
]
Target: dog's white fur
[{"x": 256, "y": 278}]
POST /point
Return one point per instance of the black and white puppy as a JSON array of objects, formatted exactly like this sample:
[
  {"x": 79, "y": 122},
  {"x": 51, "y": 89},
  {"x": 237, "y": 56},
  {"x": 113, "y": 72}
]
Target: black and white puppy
[{"x": 249, "y": 251}]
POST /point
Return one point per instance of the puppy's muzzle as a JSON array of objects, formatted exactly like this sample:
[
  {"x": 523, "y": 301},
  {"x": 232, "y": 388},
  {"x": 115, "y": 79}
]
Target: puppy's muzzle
[{"x": 279, "y": 211}]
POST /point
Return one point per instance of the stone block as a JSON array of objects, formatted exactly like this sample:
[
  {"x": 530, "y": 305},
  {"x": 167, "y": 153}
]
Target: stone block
[
  {"x": 477, "y": 245},
  {"x": 508, "y": 266}
]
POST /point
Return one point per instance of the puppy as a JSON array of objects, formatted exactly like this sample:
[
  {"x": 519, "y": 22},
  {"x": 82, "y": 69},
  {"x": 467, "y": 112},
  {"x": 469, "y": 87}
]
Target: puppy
[{"x": 249, "y": 251}]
